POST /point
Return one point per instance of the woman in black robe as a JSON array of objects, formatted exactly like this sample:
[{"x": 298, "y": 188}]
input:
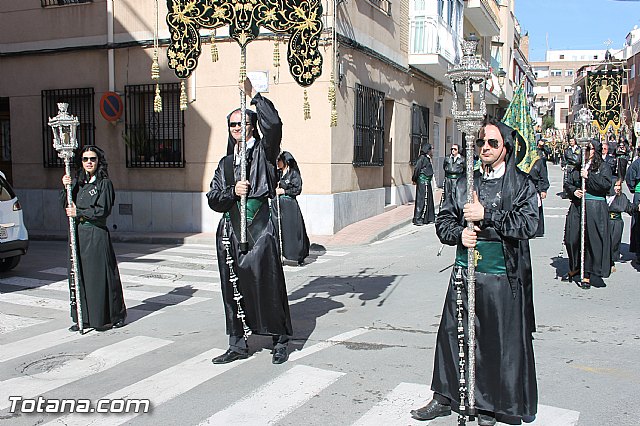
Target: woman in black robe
[
  {"x": 99, "y": 280},
  {"x": 618, "y": 204},
  {"x": 295, "y": 242},
  {"x": 255, "y": 275},
  {"x": 424, "y": 211},
  {"x": 597, "y": 256}
]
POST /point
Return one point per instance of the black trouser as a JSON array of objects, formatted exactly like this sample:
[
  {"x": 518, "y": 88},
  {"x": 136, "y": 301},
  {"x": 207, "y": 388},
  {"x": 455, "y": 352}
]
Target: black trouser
[{"x": 239, "y": 344}]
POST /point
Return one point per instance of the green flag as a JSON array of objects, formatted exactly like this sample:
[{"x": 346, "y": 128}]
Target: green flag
[{"x": 519, "y": 118}]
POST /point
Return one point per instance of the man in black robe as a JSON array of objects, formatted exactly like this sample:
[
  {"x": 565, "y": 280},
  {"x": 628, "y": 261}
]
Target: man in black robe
[
  {"x": 454, "y": 167},
  {"x": 609, "y": 159},
  {"x": 424, "y": 211},
  {"x": 540, "y": 176},
  {"x": 622, "y": 157},
  {"x": 253, "y": 284},
  {"x": 571, "y": 158},
  {"x": 505, "y": 213},
  {"x": 633, "y": 182}
]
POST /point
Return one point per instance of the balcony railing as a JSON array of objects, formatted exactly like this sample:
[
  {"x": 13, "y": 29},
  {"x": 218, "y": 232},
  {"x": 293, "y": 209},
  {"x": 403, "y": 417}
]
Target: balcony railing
[{"x": 431, "y": 35}]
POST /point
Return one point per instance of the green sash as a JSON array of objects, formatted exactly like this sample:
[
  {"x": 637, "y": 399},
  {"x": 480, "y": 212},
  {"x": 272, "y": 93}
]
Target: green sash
[
  {"x": 637, "y": 188},
  {"x": 489, "y": 257},
  {"x": 422, "y": 178},
  {"x": 593, "y": 197}
]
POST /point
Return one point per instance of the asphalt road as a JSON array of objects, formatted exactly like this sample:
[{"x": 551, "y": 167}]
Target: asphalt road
[{"x": 364, "y": 318}]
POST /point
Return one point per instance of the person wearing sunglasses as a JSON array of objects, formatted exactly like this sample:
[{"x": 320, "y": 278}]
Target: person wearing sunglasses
[
  {"x": 93, "y": 198},
  {"x": 254, "y": 292},
  {"x": 597, "y": 244},
  {"x": 504, "y": 211},
  {"x": 424, "y": 211}
]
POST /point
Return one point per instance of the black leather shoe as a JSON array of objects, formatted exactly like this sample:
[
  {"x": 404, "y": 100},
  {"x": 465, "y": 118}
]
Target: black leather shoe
[
  {"x": 486, "y": 420},
  {"x": 585, "y": 285},
  {"x": 119, "y": 324},
  {"x": 280, "y": 355},
  {"x": 430, "y": 411},
  {"x": 229, "y": 356},
  {"x": 75, "y": 327}
]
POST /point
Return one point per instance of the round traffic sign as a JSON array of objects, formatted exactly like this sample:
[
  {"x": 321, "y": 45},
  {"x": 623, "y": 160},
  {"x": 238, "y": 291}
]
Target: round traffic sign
[{"x": 111, "y": 106}]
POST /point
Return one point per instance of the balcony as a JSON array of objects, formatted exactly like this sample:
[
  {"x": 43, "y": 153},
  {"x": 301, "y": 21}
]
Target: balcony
[
  {"x": 433, "y": 46},
  {"x": 484, "y": 15}
]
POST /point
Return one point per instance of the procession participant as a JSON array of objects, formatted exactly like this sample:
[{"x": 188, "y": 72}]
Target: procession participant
[
  {"x": 93, "y": 196},
  {"x": 633, "y": 183},
  {"x": 618, "y": 203},
  {"x": 609, "y": 159},
  {"x": 597, "y": 256},
  {"x": 454, "y": 167},
  {"x": 294, "y": 239},
  {"x": 253, "y": 284},
  {"x": 622, "y": 157},
  {"x": 424, "y": 210},
  {"x": 570, "y": 159},
  {"x": 505, "y": 212},
  {"x": 540, "y": 176}
]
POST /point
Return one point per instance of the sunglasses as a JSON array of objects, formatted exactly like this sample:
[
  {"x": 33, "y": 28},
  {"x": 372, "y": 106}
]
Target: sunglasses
[
  {"x": 87, "y": 159},
  {"x": 237, "y": 123},
  {"x": 493, "y": 143}
]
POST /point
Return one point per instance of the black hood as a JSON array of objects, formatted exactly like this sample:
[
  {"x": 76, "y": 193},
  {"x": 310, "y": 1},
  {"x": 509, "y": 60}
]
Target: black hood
[{"x": 425, "y": 148}]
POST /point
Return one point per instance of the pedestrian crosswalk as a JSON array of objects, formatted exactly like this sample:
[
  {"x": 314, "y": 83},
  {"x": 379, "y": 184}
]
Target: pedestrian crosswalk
[{"x": 49, "y": 360}]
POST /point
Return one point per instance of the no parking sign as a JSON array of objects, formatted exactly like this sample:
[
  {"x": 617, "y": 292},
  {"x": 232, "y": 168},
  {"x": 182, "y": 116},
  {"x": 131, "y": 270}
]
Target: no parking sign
[{"x": 111, "y": 106}]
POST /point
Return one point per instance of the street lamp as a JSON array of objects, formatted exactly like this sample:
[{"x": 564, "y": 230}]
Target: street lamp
[
  {"x": 64, "y": 126},
  {"x": 501, "y": 76},
  {"x": 469, "y": 78}
]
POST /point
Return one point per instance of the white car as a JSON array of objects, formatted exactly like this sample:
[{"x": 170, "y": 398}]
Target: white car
[{"x": 14, "y": 239}]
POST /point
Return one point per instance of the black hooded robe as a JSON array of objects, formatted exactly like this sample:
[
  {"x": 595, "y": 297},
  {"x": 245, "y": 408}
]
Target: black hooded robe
[
  {"x": 618, "y": 204},
  {"x": 453, "y": 169},
  {"x": 505, "y": 366},
  {"x": 540, "y": 176},
  {"x": 261, "y": 279},
  {"x": 424, "y": 211},
  {"x": 597, "y": 256},
  {"x": 633, "y": 182},
  {"x": 101, "y": 289},
  {"x": 295, "y": 241}
]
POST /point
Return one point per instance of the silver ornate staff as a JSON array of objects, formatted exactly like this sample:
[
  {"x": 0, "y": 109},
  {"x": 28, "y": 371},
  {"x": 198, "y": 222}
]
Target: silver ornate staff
[
  {"x": 280, "y": 227},
  {"x": 243, "y": 244},
  {"x": 469, "y": 77},
  {"x": 64, "y": 127},
  {"x": 583, "y": 132}
]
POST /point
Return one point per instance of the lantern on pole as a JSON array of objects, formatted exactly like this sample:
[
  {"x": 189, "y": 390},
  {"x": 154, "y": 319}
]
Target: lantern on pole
[
  {"x": 469, "y": 78},
  {"x": 64, "y": 126}
]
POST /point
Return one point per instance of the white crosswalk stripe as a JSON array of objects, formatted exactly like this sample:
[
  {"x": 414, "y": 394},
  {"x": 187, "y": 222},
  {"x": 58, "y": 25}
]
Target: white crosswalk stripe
[
  {"x": 159, "y": 257},
  {"x": 9, "y": 323},
  {"x": 277, "y": 398},
  {"x": 100, "y": 360},
  {"x": 9, "y": 351},
  {"x": 395, "y": 407}
]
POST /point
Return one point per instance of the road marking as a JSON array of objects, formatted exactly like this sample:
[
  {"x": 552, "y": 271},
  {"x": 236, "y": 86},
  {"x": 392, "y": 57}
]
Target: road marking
[
  {"x": 160, "y": 387},
  {"x": 276, "y": 399},
  {"x": 326, "y": 344},
  {"x": 9, "y": 323},
  {"x": 554, "y": 416},
  {"x": 9, "y": 351},
  {"x": 167, "y": 269},
  {"x": 34, "y": 301},
  {"x": 76, "y": 368},
  {"x": 328, "y": 253},
  {"x": 395, "y": 407},
  {"x": 160, "y": 257}
]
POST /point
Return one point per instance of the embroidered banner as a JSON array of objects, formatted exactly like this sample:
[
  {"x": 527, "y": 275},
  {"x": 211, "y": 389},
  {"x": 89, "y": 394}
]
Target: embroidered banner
[{"x": 604, "y": 94}]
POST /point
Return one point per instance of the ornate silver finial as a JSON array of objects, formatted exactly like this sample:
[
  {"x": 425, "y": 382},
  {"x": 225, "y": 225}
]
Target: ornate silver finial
[
  {"x": 64, "y": 127},
  {"x": 583, "y": 126}
]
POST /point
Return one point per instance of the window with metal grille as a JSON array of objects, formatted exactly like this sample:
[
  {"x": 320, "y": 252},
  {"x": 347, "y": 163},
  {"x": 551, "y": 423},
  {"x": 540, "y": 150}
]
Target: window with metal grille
[
  {"x": 369, "y": 127},
  {"x": 81, "y": 105},
  {"x": 419, "y": 130},
  {"x": 46, "y": 3},
  {"x": 153, "y": 139}
]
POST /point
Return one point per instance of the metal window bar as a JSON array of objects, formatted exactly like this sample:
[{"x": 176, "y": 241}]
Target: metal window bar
[
  {"x": 369, "y": 127},
  {"x": 46, "y": 3},
  {"x": 81, "y": 105},
  {"x": 153, "y": 140},
  {"x": 419, "y": 130}
]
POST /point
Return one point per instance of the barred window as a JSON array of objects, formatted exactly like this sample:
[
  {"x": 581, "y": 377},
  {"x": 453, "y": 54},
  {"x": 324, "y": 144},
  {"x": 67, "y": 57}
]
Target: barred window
[
  {"x": 81, "y": 105},
  {"x": 153, "y": 139},
  {"x": 369, "y": 127},
  {"x": 46, "y": 3},
  {"x": 419, "y": 130}
]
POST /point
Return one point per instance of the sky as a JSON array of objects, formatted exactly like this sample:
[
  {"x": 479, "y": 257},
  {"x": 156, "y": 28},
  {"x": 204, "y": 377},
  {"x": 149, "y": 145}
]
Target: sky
[{"x": 576, "y": 24}]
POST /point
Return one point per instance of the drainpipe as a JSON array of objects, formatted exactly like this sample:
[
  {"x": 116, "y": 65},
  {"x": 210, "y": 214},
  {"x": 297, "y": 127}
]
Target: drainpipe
[{"x": 110, "y": 51}]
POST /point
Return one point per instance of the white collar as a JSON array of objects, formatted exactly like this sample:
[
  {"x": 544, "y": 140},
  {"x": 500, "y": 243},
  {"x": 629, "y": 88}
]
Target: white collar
[
  {"x": 496, "y": 173},
  {"x": 249, "y": 144}
]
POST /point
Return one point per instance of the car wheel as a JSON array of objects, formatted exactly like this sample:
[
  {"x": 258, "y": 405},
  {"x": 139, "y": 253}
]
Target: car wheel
[{"x": 9, "y": 263}]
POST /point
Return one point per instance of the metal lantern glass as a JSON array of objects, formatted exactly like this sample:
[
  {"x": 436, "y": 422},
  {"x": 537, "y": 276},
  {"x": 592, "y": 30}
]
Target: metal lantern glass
[
  {"x": 64, "y": 127},
  {"x": 583, "y": 126}
]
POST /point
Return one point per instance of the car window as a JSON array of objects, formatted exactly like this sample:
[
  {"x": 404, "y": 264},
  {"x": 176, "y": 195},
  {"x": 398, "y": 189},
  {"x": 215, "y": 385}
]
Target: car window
[{"x": 6, "y": 192}]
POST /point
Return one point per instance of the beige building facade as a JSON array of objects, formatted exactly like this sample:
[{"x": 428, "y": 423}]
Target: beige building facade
[{"x": 388, "y": 103}]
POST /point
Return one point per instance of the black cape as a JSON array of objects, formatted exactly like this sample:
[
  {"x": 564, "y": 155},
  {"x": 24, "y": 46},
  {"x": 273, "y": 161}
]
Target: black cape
[
  {"x": 99, "y": 280},
  {"x": 295, "y": 241},
  {"x": 505, "y": 374},
  {"x": 424, "y": 210},
  {"x": 261, "y": 279},
  {"x": 540, "y": 176}
]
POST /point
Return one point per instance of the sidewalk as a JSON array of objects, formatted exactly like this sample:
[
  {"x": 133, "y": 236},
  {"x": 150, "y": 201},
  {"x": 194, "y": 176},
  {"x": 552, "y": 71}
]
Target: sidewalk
[{"x": 363, "y": 232}]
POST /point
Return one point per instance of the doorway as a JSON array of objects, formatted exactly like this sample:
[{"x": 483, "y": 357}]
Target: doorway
[{"x": 5, "y": 140}]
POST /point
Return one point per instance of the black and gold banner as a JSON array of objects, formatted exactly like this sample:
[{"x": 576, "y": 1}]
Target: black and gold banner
[
  {"x": 604, "y": 98},
  {"x": 301, "y": 19}
]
